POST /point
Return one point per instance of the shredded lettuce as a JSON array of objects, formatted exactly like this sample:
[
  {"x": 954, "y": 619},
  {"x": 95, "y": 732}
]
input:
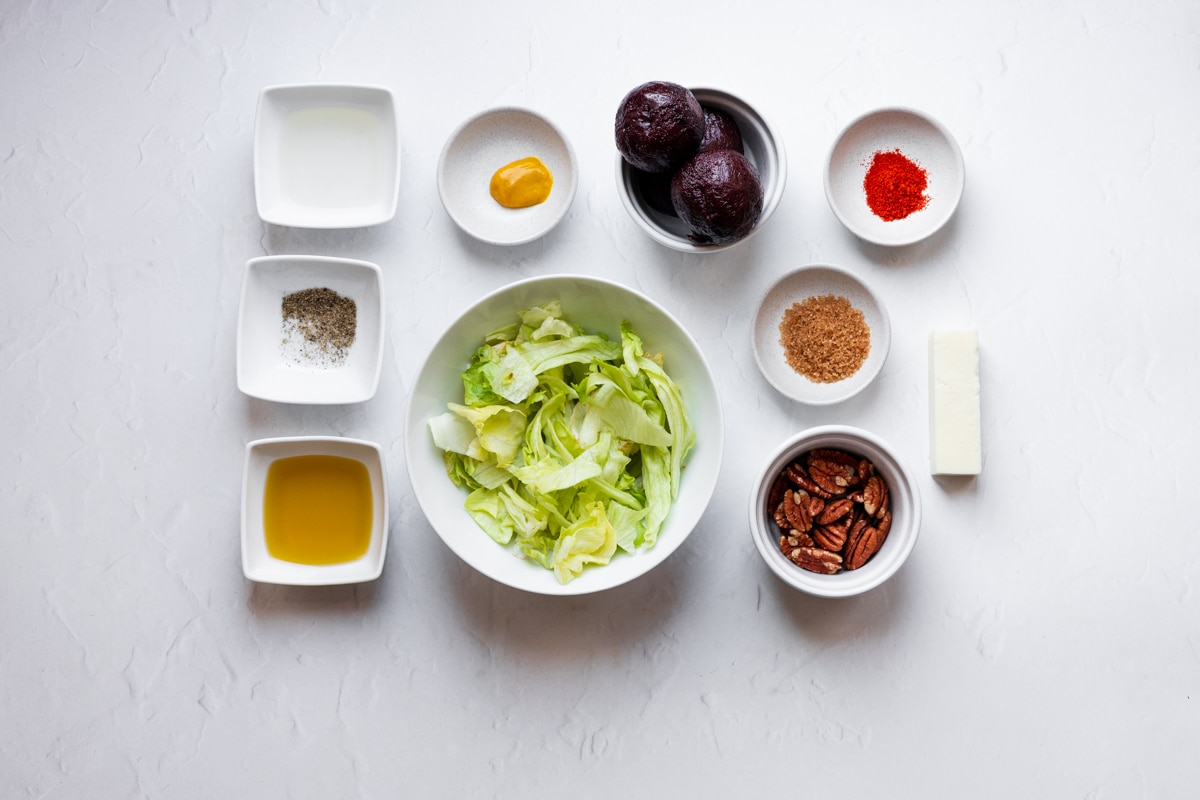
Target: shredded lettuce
[{"x": 570, "y": 446}]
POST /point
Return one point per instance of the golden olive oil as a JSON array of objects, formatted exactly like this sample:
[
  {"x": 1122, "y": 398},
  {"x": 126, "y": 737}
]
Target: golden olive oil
[{"x": 317, "y": 509}]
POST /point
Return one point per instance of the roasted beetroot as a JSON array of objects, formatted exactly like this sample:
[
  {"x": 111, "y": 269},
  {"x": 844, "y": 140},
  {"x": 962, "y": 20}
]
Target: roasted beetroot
[
  {"x": 659, "y": 125},
  {"x": 721, "y": 132},
  {"x": 718, "y": 195}
]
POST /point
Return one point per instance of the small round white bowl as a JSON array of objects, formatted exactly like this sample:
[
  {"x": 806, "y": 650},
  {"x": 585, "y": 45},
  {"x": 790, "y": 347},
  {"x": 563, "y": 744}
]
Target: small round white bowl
[
  {"x": 484, "y": 144},
  {"x": 258, "y": 564},
  {"x": 919, "y": 137},
  {"x": 814, "y": 280},
  {"x": 762, "y": 148},
  {"x": 599, "y": 306},
  {"x": 905, "y": 507}
]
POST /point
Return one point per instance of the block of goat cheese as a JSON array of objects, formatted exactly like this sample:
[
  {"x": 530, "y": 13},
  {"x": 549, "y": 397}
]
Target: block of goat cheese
[{"x": 955, "y": 444}]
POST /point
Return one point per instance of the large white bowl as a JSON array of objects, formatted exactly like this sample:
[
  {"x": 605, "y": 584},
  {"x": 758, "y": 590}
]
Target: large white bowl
[
  {"x": 762, "y": 148},
  {"x": 326, "y": 155},
  {"x": 266, "y": 370},
  {"x": 905, "y": 504},
  {"x": 599, "y": 306}
]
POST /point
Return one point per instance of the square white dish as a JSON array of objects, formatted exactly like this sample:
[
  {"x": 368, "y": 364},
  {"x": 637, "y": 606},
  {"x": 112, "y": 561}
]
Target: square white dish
[
  {"x": 258, "y": 564},
  {"x": 326, "y": 155},
  {"x": 268, "y": 366}
]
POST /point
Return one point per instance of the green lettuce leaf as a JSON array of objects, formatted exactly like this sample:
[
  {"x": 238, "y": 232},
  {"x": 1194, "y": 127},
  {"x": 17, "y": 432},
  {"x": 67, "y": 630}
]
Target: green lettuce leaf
[
  {"x": 570, "y": 446},
  {"x": 591, "y": 539}
]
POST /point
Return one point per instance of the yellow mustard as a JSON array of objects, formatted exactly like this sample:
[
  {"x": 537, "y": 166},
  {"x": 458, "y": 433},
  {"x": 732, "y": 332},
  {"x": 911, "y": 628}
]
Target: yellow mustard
[{"x": 523, "y": 183}]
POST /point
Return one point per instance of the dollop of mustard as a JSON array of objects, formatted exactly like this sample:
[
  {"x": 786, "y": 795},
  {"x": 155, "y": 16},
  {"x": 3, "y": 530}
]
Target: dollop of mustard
[{"x": 523, "y": 183}]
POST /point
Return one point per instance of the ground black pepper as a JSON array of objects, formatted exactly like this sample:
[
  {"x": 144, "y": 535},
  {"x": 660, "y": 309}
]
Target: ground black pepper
[{"x": 326, "y": 321}]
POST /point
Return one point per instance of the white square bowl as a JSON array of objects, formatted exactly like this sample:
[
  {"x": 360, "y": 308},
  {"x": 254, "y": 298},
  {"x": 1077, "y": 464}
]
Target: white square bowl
[
  {"x": 258, "y": 564},
  {"x": 264, "y": 368},
  {"x": 326, "y": 156}
]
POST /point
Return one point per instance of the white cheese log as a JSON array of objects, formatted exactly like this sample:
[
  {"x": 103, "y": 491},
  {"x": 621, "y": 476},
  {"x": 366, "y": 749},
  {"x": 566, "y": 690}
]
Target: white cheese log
[{"x": 955, "y": 441}]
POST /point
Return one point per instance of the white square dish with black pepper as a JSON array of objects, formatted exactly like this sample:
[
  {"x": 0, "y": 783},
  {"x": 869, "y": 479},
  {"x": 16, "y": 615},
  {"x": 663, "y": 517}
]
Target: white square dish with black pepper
[
  {"x": 834, "y": 511},
  {"x": 310, "y": 330}
]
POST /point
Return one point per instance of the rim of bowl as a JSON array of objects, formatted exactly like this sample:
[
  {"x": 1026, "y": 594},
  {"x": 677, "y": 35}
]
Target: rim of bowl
[
  {"x": 876, "y": 571},
  {"x": 960, "y": 166},
  {"x": 572, "y": 185},
  {"x": 770, "y": 201}
]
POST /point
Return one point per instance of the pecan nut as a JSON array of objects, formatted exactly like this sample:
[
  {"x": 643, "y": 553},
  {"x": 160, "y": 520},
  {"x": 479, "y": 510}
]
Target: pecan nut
[
  {"x": 833, "y": 485},
  {"x": 815, "y": 506},
  {"x": 814, "y": 559},
  {"x": 795, "y": 508},
  {"x": 841, "y": 467},
  {"x": 797, "y": 475},
  {"x": 873, "y": 495},
  {"x": 835, "y": 511},
  {"x": 780, "y": 518},
  {"x": 865, "y": 546},
  {"x": 856, "y": 531},
  {"x": 793, "y": 540},
  {"x": 830, "y": 537}
]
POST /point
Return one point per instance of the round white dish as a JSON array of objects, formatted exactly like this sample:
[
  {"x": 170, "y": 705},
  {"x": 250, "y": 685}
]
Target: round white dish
[
  {"x": 484, "y": 144},
  {"x": 905, "y": 502},
  {"x": 919, "y": 137},
  {"x": 762, "y": 148},
  {"x": 599, "y": 306},
  {"x": 814, "y": 280}
]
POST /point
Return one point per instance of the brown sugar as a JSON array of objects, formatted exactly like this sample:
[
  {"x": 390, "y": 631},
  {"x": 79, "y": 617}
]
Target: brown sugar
[{"x": 824, "y": 338}]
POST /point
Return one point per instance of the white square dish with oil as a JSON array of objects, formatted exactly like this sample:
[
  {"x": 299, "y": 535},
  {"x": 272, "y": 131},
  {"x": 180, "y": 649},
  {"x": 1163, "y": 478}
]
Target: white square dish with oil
[
  {"x": 326, "y": 155},
  {"x": 314, "y": 511}
]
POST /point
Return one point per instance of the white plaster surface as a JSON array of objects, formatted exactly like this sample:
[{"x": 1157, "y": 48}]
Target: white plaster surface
[{"x": 1043, "y": 641}]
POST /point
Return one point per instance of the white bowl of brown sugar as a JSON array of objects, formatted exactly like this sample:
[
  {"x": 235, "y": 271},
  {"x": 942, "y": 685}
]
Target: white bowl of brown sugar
[
  {"x": 310, "y": 330},
  {"x": 821, "y": 335}
]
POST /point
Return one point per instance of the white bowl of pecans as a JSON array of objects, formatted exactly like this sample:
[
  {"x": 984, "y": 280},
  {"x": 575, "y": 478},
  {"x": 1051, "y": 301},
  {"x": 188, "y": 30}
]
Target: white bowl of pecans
[{"x": 834, "y": 512}]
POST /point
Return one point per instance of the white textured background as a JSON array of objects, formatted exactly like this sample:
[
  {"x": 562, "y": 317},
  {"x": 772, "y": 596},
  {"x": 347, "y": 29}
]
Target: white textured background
[{"x": 1042, "y": 641}]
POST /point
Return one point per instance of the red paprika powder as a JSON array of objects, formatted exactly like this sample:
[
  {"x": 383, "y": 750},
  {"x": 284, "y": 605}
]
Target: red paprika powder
[{"x": 895, "y": 185}]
